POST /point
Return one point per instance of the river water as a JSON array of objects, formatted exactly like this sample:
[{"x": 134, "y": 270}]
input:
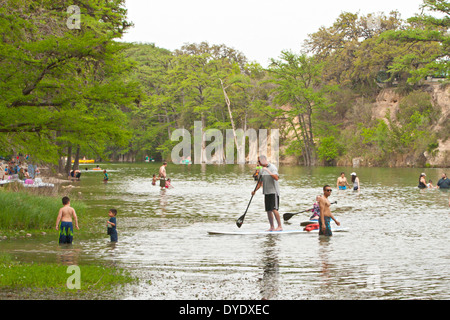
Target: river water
[{"x": 397, "y": 246}]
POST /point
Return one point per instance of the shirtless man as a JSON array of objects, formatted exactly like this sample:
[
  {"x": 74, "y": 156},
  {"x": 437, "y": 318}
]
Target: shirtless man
[
  {"x": 65, "y": 216},
  {"x": 342, "y": 182},
  {"x": 325, "y": 213},
  {"x": 162, "y": 175}
]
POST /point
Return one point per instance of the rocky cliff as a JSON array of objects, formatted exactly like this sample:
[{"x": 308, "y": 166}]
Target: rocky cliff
[{"x": 388, "y": 101}]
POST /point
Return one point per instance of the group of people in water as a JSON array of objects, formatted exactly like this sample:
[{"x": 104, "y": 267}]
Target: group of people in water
[
  {"x": 164, "y": 183},
  {"x": 443, "y": 183},
  {"x": 267, "y": 177}
]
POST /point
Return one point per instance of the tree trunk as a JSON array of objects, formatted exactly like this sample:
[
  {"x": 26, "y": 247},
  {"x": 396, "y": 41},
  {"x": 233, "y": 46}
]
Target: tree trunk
[{"x": 69, "y": 161}]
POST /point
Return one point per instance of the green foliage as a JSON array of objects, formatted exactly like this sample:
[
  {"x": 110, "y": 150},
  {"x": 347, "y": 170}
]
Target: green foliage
[
  {"x": 25, "y": 211},
  {"x": 62, "y": 86},
  {"x": 329, "y": 149},
  {"x": 431, "y": 32}
]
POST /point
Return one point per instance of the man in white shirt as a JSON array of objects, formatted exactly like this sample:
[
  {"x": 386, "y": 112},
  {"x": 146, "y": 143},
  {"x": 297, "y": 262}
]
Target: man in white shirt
[{"x": 271, "y": 190}]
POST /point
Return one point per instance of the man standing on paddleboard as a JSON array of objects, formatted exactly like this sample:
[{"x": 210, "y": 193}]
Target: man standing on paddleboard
[
  {"x": 271, "y": 190},
  {"x": 325, "y": 213}
]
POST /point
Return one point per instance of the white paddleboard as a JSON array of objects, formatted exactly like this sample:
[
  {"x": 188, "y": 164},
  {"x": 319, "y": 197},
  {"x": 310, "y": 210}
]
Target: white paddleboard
[{"x": 337, "y": 229}]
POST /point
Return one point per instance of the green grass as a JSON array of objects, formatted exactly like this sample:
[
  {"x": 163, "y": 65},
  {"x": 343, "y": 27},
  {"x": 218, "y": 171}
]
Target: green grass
[
  {"x": 53, "y": 279},
  {"x": 25, "y": 211}
]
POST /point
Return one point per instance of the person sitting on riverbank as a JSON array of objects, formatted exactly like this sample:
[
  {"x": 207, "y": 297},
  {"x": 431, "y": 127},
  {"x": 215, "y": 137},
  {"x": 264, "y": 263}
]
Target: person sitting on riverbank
[{"x": 21, "y": 174}]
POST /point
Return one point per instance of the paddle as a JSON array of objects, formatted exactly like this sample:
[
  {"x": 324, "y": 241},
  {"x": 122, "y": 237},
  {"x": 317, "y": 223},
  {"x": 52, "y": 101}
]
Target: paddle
[
  {"x": 240, "y": 221},
  {"x": 287, "y": 216}
]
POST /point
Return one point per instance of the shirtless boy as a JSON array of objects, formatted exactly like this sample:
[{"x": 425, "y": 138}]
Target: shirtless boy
[
  {"x": 65, "y": 215},
  {"x": 325, "y": 213}
]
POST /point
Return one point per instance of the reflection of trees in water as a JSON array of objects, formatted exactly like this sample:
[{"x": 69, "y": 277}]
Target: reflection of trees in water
[{"x": 270, "y": 262}]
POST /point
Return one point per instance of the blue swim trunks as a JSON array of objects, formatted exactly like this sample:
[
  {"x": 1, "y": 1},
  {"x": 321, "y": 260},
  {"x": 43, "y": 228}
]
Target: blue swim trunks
[
  {"x": 327, "y": 231},
  {"x": 66, "y": 232},
  {"x": 342, "y": 187}
]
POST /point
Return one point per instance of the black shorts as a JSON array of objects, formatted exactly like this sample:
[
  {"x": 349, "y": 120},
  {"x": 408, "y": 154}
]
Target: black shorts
[{"x": 271, "y": 201}]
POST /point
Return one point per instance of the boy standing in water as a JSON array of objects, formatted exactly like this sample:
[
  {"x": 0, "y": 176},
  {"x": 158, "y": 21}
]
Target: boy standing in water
[
  {"x": 65, "y": 216},
  {"x": 112, "y": 225},
  {"x": 325, "y": 213}
]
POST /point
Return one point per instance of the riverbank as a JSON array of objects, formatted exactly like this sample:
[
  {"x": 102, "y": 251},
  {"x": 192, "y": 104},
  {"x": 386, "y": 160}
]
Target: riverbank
[{"x": 53, "y": 281}]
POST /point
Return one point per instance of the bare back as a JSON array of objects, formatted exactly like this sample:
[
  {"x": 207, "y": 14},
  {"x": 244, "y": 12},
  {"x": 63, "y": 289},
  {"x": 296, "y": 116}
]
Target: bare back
[{"x": 67, "y": 213}]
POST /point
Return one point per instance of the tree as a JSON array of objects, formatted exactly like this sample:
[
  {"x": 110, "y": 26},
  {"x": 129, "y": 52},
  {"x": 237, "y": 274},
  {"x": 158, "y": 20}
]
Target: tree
[
  {"x": 62, "y": 86},
  {"x": 301, "y": 97},
  {"x": 429, "y": 31}
]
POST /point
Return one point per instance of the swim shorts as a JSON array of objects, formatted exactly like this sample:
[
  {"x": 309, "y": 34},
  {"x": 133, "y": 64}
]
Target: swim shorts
[
  {"x": 342, "y": 187},
  {"x": 162, "y": 182},
  {"x": 271, "y": 202},
  {"x": 66, "y": 232},
  {"x": 327, "y": 231}
]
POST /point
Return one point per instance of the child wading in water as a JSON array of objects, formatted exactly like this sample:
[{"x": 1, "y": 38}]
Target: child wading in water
[
  {"x": 112, "y": 225},
  {"x": 65, "y": 216}
]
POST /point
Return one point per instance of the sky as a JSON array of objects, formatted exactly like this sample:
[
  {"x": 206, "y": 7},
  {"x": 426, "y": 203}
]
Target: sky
[{"x": 260, "y": 29}]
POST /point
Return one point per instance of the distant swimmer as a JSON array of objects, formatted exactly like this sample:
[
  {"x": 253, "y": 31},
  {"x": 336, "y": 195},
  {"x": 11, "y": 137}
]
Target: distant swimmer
[
  {"x": 342, "y": 183},
  {"x": 325, "y": 213},
  {"x": 105, "y": 176}
]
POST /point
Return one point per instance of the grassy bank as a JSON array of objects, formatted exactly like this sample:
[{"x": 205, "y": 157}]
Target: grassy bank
[
  {"x": 23, "y": 210},
  {"x": 54, "y": 281}
]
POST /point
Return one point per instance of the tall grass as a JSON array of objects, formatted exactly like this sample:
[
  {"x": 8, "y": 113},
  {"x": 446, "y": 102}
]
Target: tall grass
[{"x": 22, "y": 210}]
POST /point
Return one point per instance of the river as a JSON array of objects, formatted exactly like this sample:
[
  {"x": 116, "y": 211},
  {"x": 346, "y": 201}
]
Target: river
[{"x": 396, "y": 247}]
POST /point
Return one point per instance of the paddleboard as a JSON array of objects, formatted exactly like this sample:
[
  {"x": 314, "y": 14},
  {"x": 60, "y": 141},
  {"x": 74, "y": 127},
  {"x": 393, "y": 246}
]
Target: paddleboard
[{"x": 337, "y": 229}]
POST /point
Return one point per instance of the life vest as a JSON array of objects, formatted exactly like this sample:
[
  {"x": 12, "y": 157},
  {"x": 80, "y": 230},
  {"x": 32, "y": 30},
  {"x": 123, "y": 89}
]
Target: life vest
[{"x": 311, "y": 227}]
